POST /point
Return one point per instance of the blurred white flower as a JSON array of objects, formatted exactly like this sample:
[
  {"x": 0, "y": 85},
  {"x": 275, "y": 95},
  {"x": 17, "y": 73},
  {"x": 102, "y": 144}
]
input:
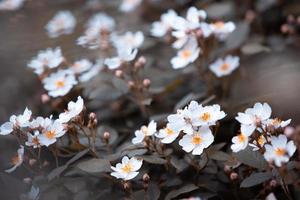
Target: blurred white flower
[
  {"x": 51, "y": 133},
  {"x": 124, "y": 55},
  {"x": 221, "y": 29},
  {"x": 280, "y": 150},
  {"x": 129, "y": 5},
  {"x": 40, "y": 122},
  {"x": 240, "y": 141},
  {"x": 276, "y": 123},
  {"x": 59, "y": 83},
  {"x": 127, "y": 169},
  {"x": 74, "y": 109},
  {"x": 21, "y": 120},
  {"x": 6, "y": 128},
  {"x": 198, "y": 141},
  {"x": 11, "y": 4},
  {"x": 187, "y": 55},
  {"x": 49, "y": 58},
  {"x": 91, "y": 39},
  {"x": 94, "y": 71},
  {"x": 181, "y": 120},
  {"x": 256, "y": 115},
  {"x": 145, "y": 131},
  {"x": 224, "y": 67},
  {"x": 161, "y": 28},
  {"x": 33, "y": 140},
  {"x": 102, "y": 22},
  {"x": 62, "y": 23},
  {"x": 128, "y": 40},
  {"x": 81, "y": 66},
  {"x": 207, "y": 115},
  {"x": 17, "y": 160},
  {"x": 168, "y": 134}
]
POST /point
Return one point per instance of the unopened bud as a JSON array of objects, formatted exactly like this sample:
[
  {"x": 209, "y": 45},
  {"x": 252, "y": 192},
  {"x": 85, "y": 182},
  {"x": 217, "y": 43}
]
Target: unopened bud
[
  {"x": 131, "y": 84},
  {"x": 146, "y": 83},
  {"x": 273, "y": 183},
  {"x": 289, "y": 131},
  {"x": 119, "y": 74},
  {"x": 45, "y": 98},
  {"x": 127, "y": 185},
  {"x": 140, "y": 63},
  {"x": 233, "y": 176},
  {"x": 106, "y": 136},
  {"x": 92, "y": 116},
  {"x": 227, "y": 168},
  {"x": 146, "y": 178},
  {"x": 285, "y": 28}
]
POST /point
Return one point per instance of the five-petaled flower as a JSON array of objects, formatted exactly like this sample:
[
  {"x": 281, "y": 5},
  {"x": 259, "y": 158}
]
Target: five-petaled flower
[{"x": 127, "y": 169}]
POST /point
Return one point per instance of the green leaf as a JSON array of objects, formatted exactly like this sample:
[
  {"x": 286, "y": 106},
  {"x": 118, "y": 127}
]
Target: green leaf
[
  {"x": 219, "y": 155},
  {"x": 256, "y": 178},
  {"x": 251, "y": 158},
  {"x": 95, "y": 165},
  {"x": 153, "y": 159},
  {"x": 185, "y": 189}
]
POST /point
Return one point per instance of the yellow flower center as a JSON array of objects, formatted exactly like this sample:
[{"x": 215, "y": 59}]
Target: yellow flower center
[
  {"x": 144, "y": 129},
  {"x": 242, "y": 138},
  {"x": 205, "y": 116},
  {"x": 50, "y": 134},
  {"x": 15, "y": 160},
  {"x": 169, "y": 131},
  {"x": 224, "y": 67},
  {"x": 261, "y": 140},
  {"x": 219, "y": 25},
  {"x": 127, "y": 168},
  {"x": 35, "y": 141},
  {"x": 60, "y": 84},
  {"x": 185, "y": 54},
  {"x": 276, "y": 121},
  {"x": 280, "y": 152},
  {"x": 197, "y": 139}
]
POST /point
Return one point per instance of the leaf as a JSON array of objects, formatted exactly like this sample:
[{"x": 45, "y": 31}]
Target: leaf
[
  {"x": 153, "y": 191},
  {"x": 251, "y": 158},
  {"x": 219, "y": 155},
  {"x": 236, "y": 39},
  {"x": 185, "y": 189},
  {"x": 256, "y": 178},
  {"x": 59, "y": 170},
  {"x": 254, "y": 48},
  {"x": 95, "y": 165},
  {"x": 153, "y": 159},
  {"x": 179, "y": 164}
]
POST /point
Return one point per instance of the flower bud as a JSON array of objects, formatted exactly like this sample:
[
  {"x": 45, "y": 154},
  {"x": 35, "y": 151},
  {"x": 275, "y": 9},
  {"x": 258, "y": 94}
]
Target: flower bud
[
  {"x": 119, "y": 73},
  {"x": 45, "y": 98},
  {"x": 227, "y": 168},
  {"x": 127, "y": 185},
  {"x": 233, "y": 176},
  {"x": 273, "y": 183},
  {"x": 131, "y": 84},
  {"x": 146, "y": 83},
  {"x": 140, "y": 63},
  {"x": 92, "y": 116},
  {"x": 106, "y": 136},
  {"x": 146, "y": 178}
]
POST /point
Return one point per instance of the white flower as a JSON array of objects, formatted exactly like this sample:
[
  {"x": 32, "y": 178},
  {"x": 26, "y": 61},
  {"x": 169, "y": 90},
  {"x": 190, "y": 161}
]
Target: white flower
[
  {"x": 6, "y": 128},
  {"x": 49, "y": 58},
  {"x": 74, "y": 109},
  {"x": 168, "y": 134},
  {"x": 207, "y": 116},
  {"x": 129, "y": 5},
  {"x": 128, "y": 169},
  {"x": 51, "y": 133},
  {"x": 95, "y": 69},
  {"x": 59, "y": 83},
  {"x": 161, "y": 28},
  {"x": 198, "y": 141},
  {"x": 40, "y": 122},
  {"x": 145, "y": 131},
  {"x": 62, "y": 23},
  {"x": 21, "y": 120},
  {"x": 81, "y": 66},
  {"x": 98, "y": 25},
  {"x": 128, "y": 40},
  {"x": 11, "y": 4},
  {"x": 221, "y": 30},
  {"x": 187, "y": 55},
  {"x": 226, "y": 66},
  {"x": 277, "y": 123},
  {"x": 280, "y": 150},
  {"x": 240, "y": 141},
  {"x": 181, "y": 120},
  {"x": 124, "y": 55},
  {"x": 33, "y": 140},
  {"x": 256, "y": 115},
  {"x": 17, "y": 160}
]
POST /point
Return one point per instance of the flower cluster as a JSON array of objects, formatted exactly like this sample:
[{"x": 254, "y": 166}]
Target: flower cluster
[
  {"x": 57, "y": 75},
  {"x": 194, "y": 121},
  {"x": 189, "y": 32},
  {"x": 263, "y": 133},
  {"x": 40, "y": 131}
]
